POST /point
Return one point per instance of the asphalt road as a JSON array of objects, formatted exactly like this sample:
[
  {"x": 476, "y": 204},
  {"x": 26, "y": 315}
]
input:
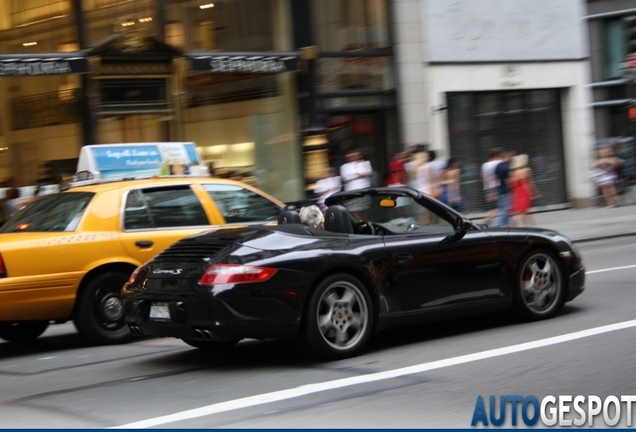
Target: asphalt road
[{"x": 61, "y": 382}]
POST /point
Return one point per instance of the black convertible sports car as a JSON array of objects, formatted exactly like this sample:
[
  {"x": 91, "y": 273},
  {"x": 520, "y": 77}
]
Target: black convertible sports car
[{"x": 386, "y": 257}]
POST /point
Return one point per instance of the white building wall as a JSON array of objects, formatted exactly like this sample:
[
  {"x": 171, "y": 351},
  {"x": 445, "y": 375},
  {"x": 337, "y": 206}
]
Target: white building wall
[{"x": 491, "y": 45}]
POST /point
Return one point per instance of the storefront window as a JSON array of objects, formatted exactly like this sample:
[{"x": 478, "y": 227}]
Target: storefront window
[
  {"x": 245, "y": 128},
  {"x": 237, "y": 25},
  {"x": 32, "y": 26},
  {"x": 43, "y": 127},
  {"x": 527, "y": 122},
  {"x": 103, "y": 18},
  {"x": 346, "y": 25}
]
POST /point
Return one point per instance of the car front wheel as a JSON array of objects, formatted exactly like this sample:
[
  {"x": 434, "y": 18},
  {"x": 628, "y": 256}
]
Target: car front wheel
[
  {"x": 100, "y": 311},
  {"x": 22, "y": 331},
  {"x": 539, "y": 285},
  {"x": 339, "y": 317}
]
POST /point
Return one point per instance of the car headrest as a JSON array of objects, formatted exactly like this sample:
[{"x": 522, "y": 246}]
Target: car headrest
[
  {"x": 337, "y": 219},
  {"x": 288, "y": 217}
]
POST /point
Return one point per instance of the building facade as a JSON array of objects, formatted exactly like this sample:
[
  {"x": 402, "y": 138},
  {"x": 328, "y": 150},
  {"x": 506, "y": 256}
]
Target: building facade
[
  {"x": 271, "y": 90},
  {"x": 478, "y": 74},
  {"x": 612, "y": 91}
]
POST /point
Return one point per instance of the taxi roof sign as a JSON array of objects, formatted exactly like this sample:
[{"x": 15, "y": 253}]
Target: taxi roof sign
[{"x": 138, "y": 160}]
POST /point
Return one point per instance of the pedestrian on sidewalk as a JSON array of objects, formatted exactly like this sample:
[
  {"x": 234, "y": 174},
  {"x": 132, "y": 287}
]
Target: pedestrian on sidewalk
[
  {"x": 356, "y": 174},
  {"x": 502, "y": 171},
  {"x": 396, "y": 174},
  {"x": 451, "y": 183},
  {"x": 605, "y": 175},
  {"x": 522, "y": 189},
  {"x": 327, "y": 186},
  {"x": 490, "y": 183}
]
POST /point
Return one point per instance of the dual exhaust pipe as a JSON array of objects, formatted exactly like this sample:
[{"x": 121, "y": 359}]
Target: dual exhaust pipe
[
  {"x": 204, "y": 335},
  {"x": 135, "y": 330},
  {"x": 201, "y": 334}
]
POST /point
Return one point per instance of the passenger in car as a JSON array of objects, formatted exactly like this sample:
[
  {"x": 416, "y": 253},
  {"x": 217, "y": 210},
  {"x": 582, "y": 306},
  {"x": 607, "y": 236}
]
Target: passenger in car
[{"x": 311, "y": 216}]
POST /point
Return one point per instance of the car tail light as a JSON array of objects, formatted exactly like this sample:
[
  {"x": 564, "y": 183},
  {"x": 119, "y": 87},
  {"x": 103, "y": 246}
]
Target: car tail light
[
  {"x": 3, "y": 271},
  {"x": 235, "y": 273},
  {"x": 134, "y": 274}
]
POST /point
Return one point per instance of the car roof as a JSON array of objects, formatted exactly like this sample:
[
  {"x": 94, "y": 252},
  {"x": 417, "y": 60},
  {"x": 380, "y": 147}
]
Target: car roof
[{"x": 108, "y": 185}]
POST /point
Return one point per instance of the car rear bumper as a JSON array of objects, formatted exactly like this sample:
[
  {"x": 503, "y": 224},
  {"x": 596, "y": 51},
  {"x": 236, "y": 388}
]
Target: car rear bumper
[{"x": 213, "y": 319}]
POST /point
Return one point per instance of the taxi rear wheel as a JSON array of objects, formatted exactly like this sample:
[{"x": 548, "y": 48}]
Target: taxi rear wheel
[
  {"x": 22, "y": 331},
  {"x": 100, "y": 310}
]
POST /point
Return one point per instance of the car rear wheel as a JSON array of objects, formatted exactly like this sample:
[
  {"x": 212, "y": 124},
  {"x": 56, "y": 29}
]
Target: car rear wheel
[
  {"x": 339, "y": 317},
  {"x": 539, "y": 285},
  {"x": 22, "y": 331},
  {"x": 100, "y": 310}
]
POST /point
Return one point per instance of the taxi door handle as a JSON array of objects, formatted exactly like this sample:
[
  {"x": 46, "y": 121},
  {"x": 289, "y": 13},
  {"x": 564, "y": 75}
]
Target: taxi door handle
[
  {"x": 403, "y": 258},
  {"x": 143, "y": 243}
]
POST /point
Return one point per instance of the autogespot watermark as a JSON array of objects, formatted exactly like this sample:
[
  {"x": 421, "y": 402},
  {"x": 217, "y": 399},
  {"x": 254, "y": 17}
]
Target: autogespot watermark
[{"x": 561, "y": 410}]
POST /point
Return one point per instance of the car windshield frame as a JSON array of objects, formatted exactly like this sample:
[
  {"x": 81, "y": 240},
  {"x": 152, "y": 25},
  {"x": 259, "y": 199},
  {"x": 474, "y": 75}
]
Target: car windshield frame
[
  {"x": 59, "y": 212},
  {"x": 413, "y": 213}
]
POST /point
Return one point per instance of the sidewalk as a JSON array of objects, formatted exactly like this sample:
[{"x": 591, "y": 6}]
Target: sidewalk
[{"x": 588, "y": 224}]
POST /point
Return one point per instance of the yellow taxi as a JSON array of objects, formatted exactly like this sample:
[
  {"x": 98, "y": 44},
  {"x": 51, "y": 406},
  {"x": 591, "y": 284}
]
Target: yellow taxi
[{"x": 67, "y": 255}]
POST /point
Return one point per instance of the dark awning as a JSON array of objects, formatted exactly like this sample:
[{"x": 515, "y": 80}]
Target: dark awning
[
  {"x": 43, "y": 64},
  {"x": 219, "y": 62}
]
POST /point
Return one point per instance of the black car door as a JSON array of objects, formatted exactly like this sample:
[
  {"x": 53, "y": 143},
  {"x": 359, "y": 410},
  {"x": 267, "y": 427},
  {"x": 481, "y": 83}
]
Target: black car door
[{"x": 431, "y": 273}]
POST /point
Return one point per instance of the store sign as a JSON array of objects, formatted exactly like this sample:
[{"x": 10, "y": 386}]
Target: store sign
[
  {"x": 244, "y": 64},
  {"x": 42, "y": 66}
]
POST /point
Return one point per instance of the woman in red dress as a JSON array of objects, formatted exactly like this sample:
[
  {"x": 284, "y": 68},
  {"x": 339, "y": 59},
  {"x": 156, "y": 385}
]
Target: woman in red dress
[
  {"x": 396, "y": 173},
  {"x": 522, "y": 190}
]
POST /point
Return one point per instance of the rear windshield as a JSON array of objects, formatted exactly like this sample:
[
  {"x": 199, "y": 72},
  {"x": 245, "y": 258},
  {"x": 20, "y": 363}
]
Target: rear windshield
[
  {"x": 240, "y": 205},
  {"x": 50, "y": 213}
]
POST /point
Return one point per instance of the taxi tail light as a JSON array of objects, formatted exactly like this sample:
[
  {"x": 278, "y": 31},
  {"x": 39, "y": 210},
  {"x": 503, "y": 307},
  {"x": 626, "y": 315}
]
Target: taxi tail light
[
  {"x": 134, "y": 275},
  {"x": 235, "y": 274},
  {"x": 3, "y": 270}
]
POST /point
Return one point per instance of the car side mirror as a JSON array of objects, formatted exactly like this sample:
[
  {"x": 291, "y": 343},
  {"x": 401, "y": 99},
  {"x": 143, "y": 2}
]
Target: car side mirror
[
  {"x": 461, "y": 226},
  {"x": 467, "y": 224}
]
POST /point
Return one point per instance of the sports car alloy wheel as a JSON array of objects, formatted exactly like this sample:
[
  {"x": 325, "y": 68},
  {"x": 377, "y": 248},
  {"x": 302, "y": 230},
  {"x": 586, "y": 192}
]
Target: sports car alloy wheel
[
  {"x": 340, "y": 317},
  {"x": 540, "y": 285}
]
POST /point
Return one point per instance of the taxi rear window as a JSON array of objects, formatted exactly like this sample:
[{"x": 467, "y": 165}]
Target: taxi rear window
[{"x": 50, "y": 213}]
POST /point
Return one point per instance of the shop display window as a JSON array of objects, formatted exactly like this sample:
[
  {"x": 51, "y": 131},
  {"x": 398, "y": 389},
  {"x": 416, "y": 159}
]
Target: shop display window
[
  {"x": 234, "y": 26},
  {"x": 36, "y": 26},
  {"x": 351, "y": 25}
]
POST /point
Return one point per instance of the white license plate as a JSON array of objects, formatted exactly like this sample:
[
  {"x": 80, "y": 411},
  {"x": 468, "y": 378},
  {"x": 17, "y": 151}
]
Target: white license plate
[{"x": 159, "y": 311}]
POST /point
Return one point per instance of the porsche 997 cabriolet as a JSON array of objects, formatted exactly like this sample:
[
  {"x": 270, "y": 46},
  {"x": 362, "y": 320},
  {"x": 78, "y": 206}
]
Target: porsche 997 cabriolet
[{"x": 385, "y": 257}]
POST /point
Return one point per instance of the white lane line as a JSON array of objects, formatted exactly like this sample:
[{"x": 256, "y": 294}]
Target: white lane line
[
  {"x": 610, "y": 269},
  {"x": 303, "y": 390}
]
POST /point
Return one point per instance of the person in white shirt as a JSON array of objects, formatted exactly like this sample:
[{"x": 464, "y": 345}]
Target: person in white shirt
[
  {"x": 327, "y": 186},
  {"x": 356, "y": 173}
]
